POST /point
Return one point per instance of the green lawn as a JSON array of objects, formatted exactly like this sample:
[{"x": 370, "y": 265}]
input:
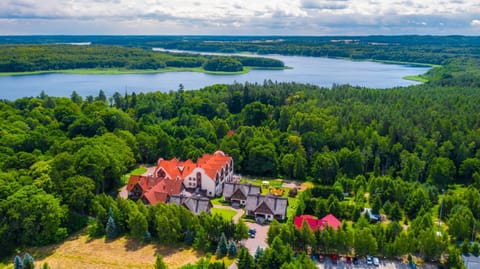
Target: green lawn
[
  {"x": 292, "y": 207},
  {"x": 136, "y": 172},
  {"x": 219, "y": 201},
  {"x": 418, "y": 78},
  {"x": 225, "y": 213}
]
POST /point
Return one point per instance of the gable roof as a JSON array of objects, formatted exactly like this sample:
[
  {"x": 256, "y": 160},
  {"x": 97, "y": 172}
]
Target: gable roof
[
  {"x": 161, "y": 191},
  {"x": 196, "y": 204},
  {"x": 145, "y": 182},
  {"x": 175, "y": 168},
  {"x": 314, "y": 223},
  {"x": 213, "y": 163},
  {"x": 168, "y": 176},
  {"x": 330, "y": 220},
  {"x": 229, "y": 189},
  {"x": 210, "y": 163},
  {"x": 277, "y": 205}
]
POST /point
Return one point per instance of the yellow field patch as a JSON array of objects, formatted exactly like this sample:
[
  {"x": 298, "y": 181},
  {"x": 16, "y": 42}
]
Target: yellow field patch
[{"x": 80, "y": 252}]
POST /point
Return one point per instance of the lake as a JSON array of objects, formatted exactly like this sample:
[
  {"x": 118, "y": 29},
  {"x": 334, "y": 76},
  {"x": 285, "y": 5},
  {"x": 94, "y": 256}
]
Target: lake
[{"x": 318, "y": 71}]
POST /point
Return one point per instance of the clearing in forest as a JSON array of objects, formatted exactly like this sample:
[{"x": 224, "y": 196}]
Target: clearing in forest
[{"x": 81, "y": 252}]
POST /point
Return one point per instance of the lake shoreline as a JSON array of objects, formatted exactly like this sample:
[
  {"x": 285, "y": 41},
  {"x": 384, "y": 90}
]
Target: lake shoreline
[
  {"x": 118, "y": 71},
  {"x": 322, "y": 72}
]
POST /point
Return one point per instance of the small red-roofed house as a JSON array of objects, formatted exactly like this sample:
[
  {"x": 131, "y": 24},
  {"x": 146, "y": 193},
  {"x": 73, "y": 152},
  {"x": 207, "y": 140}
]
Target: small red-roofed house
[{"x": 314, "y": 223}]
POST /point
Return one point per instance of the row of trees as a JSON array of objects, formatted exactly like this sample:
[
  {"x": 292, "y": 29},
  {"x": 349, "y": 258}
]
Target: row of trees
[
  {"x": 363, "y": 238},
  {"x": 166, "y": 224}
]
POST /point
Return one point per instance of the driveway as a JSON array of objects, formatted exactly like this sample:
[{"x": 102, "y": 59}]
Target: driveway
[{"x": 260, "y": 239}]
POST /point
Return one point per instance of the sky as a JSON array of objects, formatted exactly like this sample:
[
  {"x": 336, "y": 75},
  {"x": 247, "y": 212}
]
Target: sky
[{"x": 242, "y": 17}]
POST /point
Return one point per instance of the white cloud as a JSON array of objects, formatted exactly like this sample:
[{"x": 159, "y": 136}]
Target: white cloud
[{"x": 245, "y": 16}]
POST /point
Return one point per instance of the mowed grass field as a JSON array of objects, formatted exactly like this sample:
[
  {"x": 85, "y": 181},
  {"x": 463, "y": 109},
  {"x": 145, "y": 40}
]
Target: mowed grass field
[{"x": 81, "y": 252}]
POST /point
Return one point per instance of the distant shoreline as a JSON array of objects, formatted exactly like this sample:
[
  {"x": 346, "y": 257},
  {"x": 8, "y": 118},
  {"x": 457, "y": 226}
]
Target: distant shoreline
[{"x": 120, "y": 71}]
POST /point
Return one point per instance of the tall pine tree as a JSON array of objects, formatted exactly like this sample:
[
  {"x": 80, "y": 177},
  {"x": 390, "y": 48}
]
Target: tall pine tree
[
  {"x": 222, "y": 247},
  {"x": 28, "y": 262},
  {"x": 245, "y": 260},
  {"x": 232, "y": 249},
  {"x": 17, "y": 264},
  {"x": 111, "y": 228}
]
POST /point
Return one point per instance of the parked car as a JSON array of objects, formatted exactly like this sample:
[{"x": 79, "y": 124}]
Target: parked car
[
  {"x": 376, "y": 262},
  {"x": 355, "y": 260},
  {"x": 334, "y": 258},
  {"x": 321, "y": 258},
  {"x": 252, "y": 231},
  {"x": 369, "y": 260},
  {"x": 348, "y": 259}
]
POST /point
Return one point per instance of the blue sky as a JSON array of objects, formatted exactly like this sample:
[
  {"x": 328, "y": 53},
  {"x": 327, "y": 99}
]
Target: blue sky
[{"x": 242, "y": 17}]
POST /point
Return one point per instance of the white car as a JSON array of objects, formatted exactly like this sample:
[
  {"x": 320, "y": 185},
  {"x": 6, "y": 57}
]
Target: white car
[
  {"x": 369, "y": 260},
  {"x": 376, "y": 262}
]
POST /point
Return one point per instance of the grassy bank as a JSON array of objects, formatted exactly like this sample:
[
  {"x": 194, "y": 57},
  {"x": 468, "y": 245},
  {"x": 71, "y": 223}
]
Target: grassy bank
[{"x": 419, "y": 78}]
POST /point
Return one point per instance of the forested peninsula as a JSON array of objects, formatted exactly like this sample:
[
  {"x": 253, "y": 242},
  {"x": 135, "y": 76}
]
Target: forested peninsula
[{"x": 18, "y": 59}]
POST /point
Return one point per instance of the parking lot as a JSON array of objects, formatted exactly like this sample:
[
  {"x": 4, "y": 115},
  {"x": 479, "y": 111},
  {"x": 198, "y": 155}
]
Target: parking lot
[
  {"x": 384, "y": 264},
  {"x": 260, "y": 239}
]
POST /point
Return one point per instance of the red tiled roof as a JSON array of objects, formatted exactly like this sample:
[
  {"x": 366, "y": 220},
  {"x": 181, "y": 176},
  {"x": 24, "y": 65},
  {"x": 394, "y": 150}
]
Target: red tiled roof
[
  {"x": 213, "y": 163},
  {"x": 145, "y": 182},
  {"x": 175, "y": 168},
  {"x": 314, "y": 223},
  {"x": 157, "y": 189},
  {"x": 311, "y": 221},
  {"x": 162, "y": 190},
  {"x": 331, "y": 221}
]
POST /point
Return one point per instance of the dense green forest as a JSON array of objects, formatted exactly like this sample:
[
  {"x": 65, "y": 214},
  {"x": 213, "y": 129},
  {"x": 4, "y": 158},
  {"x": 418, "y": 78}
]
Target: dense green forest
[
  {"x": 23, "y": 58},
  {"x": 385, "y": 49},
  {"x": 411, "y": 154},
  {"x": 414, "y": 48},
  {"x": 405, "y": 147}
]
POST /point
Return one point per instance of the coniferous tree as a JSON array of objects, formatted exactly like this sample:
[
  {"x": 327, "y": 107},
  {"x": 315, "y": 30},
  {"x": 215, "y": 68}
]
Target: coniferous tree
[
  {"x": 188, "y": 238},
  {"x": 17, "y": 264},
  {"x": 111, "y": 228},
  {"x": 28, "y": 262},
  {"x": 222, "y": 247},
  {"x": 147, "y": 237},
  {"x": 159, "y": 263},
  {"x": 258, "y": 254},
  {"x": 232, "y": 249},
  {"x": 245, "y": 260}
]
